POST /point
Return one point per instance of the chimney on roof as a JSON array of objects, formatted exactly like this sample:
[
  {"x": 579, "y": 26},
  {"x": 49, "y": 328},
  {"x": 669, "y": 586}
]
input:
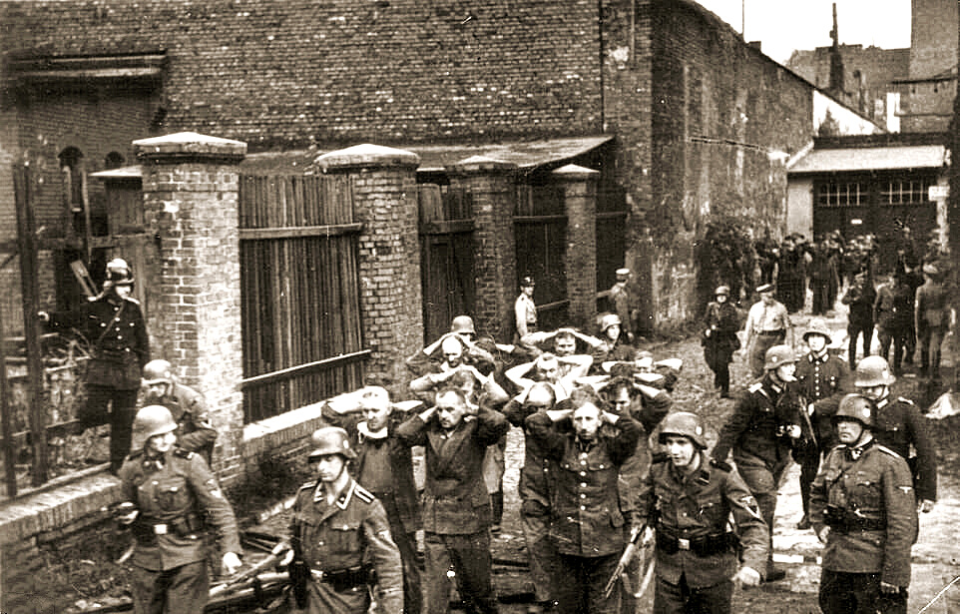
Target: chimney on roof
[
  {"x": 836, "y": 60},
  {"x": 756, "y": 45}
]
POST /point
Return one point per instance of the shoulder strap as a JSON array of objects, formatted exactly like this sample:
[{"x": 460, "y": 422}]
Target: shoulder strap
[{"x": 116, "y": 318}]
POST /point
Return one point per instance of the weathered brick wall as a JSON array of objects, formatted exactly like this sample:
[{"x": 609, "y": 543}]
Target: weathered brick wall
[
  {"x": 933, "y": 37},
  {"x": 280, "y": 71},
  {"x": 190, "y": 195},
  {"x": 580, "y": 256},
  {"x": 722, "y": 117}
]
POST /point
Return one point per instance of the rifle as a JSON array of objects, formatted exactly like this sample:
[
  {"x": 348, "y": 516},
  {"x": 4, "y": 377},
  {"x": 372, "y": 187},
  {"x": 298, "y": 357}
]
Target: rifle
[
  {"x": 277, "y": 555},
  {"x": 628, "y": 552}
]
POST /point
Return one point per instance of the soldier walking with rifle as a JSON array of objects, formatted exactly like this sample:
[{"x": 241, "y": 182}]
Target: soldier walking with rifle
[
  {"x": 340, "y": 536},
  {"x": 687, "y": 500},
  {"x": 170, "y": 497}
]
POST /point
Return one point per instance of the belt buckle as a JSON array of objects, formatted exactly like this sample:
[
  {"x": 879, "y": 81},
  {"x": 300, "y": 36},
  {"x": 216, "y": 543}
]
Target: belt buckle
[
  {"x": 160, "y": 529},
  {"x": 683, "y": 544}
]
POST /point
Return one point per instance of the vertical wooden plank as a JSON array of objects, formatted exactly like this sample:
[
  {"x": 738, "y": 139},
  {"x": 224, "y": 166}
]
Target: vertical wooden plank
[{"x": 30, "y": 289}]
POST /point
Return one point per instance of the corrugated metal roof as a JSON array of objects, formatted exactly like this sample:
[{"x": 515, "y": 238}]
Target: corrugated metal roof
[{"x": 870, "y": 159}]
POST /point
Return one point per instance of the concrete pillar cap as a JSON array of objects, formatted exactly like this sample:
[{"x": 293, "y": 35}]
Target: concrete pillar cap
[
  {"x": 574, "y": 172},
  {"x": 189, "y": 147},
  {"x": 481, "y": 164},
  {"x": 366, "y": 156}
]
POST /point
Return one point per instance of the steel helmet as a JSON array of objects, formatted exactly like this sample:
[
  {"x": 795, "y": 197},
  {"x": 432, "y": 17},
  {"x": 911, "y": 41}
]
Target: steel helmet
[
  {"x": 119, "y": 272},
  {"x": 779, "y": 355},
  {"x": 856, "y": 407},
  {"x": 873, "y": 371},
  {"x": 608, "y": 320},
  {"x": 151, "y": 421},
  {"x": 686, "y": 424},
  {"x": 157, "y": 371},
  {"x": 722, "y": 290},
  {"x": 331, "y": 441},
  {"x": 462, "y": 324},
  {"x": 817, "y": 326}
]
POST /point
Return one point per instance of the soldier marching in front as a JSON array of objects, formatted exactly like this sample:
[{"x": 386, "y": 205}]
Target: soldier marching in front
[
  {"x": 687, "y": 500},
  {"x": 187, "y": 406},
  {"x": 340, "y": 536},
  {"x": 170, "y": 496},
  {"x": 862, "y": 507}
]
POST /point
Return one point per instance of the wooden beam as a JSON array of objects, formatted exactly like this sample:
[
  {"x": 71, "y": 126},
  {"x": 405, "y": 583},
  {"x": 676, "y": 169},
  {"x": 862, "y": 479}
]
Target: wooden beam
[
  {"x": 284, "y": 232},
  {"x": 539, "y": 219},
  {"x": 298, "y": 370}
]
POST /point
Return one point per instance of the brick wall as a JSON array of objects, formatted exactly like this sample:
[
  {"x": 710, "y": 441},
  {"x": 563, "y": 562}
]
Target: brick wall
[
  {"x": 280, "y": 71},
  {"x": 933, "y": 37}
]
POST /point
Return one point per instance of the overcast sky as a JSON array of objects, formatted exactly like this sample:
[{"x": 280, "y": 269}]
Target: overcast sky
[{"x": 785, "y": 25}]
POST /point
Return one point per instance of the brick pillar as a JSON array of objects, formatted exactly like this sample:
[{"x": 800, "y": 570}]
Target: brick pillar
[
  {"x": 580, "y": 258},
  {"x": 492, "y": 186},
  {"x": 190, "y": 198},
  {"x": 385, "y": 200}
]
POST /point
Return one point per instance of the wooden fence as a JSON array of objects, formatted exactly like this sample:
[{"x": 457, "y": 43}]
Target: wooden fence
[{"x": 302, "y": 338}]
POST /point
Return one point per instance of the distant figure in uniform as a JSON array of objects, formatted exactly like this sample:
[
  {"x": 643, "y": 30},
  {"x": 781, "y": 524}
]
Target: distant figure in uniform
[
  {"x": 687, "y": 500},
  {"x": 932, "y": 319},
  {"x": 525, "y": 309},
  {"x": 587, "y": 525},
  {"x": 720, "y": 339},
  {"x": 456, "y": 506},
  {"x": 185, "y": 404},
  {"x": 614, "y": 344},
  {"x": 340, "y": 536},
  {"x": 623, "y": 303},
  {"x": 762, "y": 431},
  {"x": 893, "y": 313},
  {"x": 172, "y": 497},
  {"x": 768, "y": 324},
  {"x": 860, "y": 297},
  {"x": 114, "y": 326},
  {"x": 864, "y": 510}
]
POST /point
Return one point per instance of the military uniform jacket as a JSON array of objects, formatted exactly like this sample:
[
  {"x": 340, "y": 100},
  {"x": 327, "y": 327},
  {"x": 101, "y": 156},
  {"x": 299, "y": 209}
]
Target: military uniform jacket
[
  {"x": 121, "y": 345},
  {"x": 875, "y": 486},
  {"x": 190, "y": 413},
  {"x": 586, "y": 519},
  {"x": 537, "y": 476},
  {"x": 755, "y": 422},
  {"x": 931, "y": 307},
  {"x": 723, "y": 322},
  {"x": 899, "y": 425},
  {"x": 696, "y": 506},
  {"x": 351, "y": 533},
  {"x": 165, "y": 497},
  {"x": 823, "y": 380},
  {"x": 455, "y": 498},
  {"x": 401, "y": 462}
]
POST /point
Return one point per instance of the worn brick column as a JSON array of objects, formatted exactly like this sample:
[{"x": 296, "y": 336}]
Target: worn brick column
[
  {"x": 385, "y": 200},
  {"x": 580, "y": 258},
  {"x": 492, "y": 186},
  {"x": 190, "y": 197}
]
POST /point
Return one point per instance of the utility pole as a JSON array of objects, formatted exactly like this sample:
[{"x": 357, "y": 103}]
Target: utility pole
[{"x": 953, "y": 224}]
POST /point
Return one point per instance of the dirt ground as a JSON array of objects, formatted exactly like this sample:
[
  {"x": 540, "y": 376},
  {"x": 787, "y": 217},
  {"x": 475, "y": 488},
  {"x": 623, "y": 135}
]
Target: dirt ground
[{"x": 935, "y": 559}]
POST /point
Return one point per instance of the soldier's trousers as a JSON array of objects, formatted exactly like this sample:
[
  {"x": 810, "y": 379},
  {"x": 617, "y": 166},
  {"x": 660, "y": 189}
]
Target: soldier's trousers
[
  {"x": 682, "y": 598},
  {"x": 857, "y": 592},
  {"x": 763, "y": 480},
  {"x": 931, "y": 338},
  {"x": 580, "y": 582},
  {"x": 468, "y": 557},
  {"x": 183, "y": 589},
  {"x": 859, "y": 330},
  {"x": 122, "y": 411},
  {"x": 763, "y": 343},
  {"x": 541, "y": 554},
  {"x": 324, "y": 598},
  {"x": 407, "y": 543}
]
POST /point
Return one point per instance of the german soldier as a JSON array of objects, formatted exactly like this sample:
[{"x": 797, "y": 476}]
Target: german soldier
[
  {"x": 185, "y": 404},
  {"x": 863, "y": 508},
  {"x": 340, "y": 535},
  {"x": 822, "y": 378},
  {"x": 384, "y": 466},
  {"x": 761, "y": 432},
  {"x": 172, "y": 495},
  {"x": 898, "y": 425},
  {"x": 687, "y": 501},
  {"x": 587, "y": 524},
  {"x": 114, "y": 325},
  {"x": 456, "y": 506}
]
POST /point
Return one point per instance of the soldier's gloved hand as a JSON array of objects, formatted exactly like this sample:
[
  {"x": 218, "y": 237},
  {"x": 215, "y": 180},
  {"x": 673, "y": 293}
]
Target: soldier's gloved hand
[
  {"x": 926, "y": 505},
  {"x": 822, "y": 534},
  {"x": 889, "y": 588},
  {"x": 747, "y": 577},
  {"x": 231, "y": 563}
]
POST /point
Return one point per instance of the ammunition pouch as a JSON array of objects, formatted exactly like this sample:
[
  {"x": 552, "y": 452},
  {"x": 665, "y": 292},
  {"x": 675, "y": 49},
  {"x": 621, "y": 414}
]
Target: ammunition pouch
[
  {"x": 844, "y": 521},
  {"x": 343, "y": 579},
  {"x": 702, "y": 546}
]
